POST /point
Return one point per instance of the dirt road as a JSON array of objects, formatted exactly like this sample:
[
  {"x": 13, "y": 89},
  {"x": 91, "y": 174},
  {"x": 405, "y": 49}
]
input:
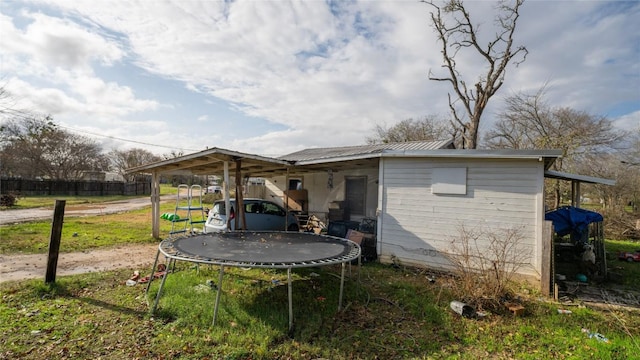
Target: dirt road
[
  {"x": 20, "y": 267},
  {"x": 23, "y": 215},
  {"x": 139, "y": 257}
]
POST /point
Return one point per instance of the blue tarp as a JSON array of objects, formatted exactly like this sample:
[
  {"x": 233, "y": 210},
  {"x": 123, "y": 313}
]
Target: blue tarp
[{"x": 572, "y": 220}]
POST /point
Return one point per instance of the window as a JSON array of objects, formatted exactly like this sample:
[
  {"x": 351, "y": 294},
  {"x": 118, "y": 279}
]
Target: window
[
  {"x": 272, "y": 209},
  {"x": 356, "y": 195},
  {"x": 295, "y": 184}
]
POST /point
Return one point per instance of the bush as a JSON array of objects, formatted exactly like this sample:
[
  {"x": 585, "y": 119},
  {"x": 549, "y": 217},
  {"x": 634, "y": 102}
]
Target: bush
[
  {"x": 7, "y": 200},
  {"x": 486, "y": 264},
  {"x": 620, "y": 224}
]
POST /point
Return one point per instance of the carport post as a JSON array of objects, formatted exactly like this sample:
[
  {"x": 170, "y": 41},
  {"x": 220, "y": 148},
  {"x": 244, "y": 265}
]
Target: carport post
[
  {"x": 155, "y": 205},
  {"x": 54, "y": 241}
]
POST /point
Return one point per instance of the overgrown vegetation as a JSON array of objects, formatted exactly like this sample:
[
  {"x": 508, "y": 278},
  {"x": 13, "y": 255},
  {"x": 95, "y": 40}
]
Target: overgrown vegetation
[
  {"x": 485, "y": 264},
  {"x": 7, "y": 200},
  {"x": 389, "y": 313}
]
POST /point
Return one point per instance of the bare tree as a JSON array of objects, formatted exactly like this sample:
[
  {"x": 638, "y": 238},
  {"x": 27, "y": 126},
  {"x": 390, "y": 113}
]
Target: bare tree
[
  {"x": 36, "y": 147},
  {"x": 429, "y": 128},
  {"x": 458, "y": 35},
  {"x": 122, "y": 160},
  {"x": 528, "y": 122}
]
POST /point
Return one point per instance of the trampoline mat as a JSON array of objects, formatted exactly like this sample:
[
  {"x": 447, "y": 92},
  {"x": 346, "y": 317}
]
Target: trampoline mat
[{"x": 273, "y": 249}]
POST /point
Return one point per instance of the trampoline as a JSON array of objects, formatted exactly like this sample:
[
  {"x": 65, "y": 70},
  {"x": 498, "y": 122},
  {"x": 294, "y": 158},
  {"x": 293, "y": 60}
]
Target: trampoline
[{"x": 274, "y": 250}]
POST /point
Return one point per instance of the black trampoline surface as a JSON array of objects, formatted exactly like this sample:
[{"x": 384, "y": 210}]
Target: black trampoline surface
[{"x": 261, "y": 249}]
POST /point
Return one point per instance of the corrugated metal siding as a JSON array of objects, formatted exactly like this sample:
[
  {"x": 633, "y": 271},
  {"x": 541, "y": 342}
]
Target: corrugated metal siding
[{"x": 418, "y": 225}]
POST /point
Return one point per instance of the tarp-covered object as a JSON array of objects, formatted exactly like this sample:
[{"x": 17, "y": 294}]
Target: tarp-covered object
[{"x": 572, "y": 220}]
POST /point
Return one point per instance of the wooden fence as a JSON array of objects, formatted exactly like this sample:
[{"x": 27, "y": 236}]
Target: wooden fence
[{"x": 25, "y": 187}]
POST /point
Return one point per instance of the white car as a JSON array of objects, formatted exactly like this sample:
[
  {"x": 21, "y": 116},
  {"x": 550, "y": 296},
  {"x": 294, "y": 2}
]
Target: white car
[
  {"x": 215, "y": 189},
  {"x": 260, "y": 215}
]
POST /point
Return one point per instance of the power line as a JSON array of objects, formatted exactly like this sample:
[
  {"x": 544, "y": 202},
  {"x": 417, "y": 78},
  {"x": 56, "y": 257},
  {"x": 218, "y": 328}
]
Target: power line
[{"x": 125, "y": 140}]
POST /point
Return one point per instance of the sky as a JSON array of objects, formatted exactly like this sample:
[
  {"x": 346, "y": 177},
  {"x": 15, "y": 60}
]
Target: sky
[{"x": 274, "y": 77}]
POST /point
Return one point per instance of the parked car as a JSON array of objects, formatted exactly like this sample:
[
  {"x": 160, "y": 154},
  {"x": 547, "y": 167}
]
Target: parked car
[
  {"x": 215, "y": 189},
  {"x": 629, "y": 256},
  {"x": 260, "y": 215}
]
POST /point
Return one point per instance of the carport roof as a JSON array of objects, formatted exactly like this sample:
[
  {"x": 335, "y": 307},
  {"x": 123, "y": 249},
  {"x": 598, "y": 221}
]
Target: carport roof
[
  {"x": 580, "y": 178},
  {"x": 211, "y": 161}
]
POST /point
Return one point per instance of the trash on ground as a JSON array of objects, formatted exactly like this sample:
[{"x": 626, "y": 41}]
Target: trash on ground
[
  {"x": 563, "y": 311},
  {"x": 211, "y": 284},
  {"x": 595, "y": 335},
  {"x": 462, "y": 309}
]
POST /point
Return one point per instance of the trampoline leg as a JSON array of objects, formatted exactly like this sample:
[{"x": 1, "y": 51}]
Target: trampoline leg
[
  {"x": 164, "y": 278},
  {"x": 153, "y": 269},
  {"x": 290, "y": 293},
  {"x": 341, "y": 287},
  {"x": 215, "y": 309}
]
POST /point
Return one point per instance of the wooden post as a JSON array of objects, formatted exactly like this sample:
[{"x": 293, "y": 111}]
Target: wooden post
[
  {"x": 240, "y": 217},
  {"x": 54, "y": 241},
  {"x": 155, "y": 205},
  {"x": 548, "y": 269}
]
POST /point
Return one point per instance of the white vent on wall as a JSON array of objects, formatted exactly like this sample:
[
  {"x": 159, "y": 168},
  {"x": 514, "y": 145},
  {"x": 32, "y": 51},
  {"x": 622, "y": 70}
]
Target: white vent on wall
[{"x": 449, "y": 181}]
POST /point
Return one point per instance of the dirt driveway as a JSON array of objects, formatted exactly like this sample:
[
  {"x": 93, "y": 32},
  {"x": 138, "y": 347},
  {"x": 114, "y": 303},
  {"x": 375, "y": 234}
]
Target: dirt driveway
[
  {"x": 23, "y": 215},
  {"x": 139, "y": 257}
]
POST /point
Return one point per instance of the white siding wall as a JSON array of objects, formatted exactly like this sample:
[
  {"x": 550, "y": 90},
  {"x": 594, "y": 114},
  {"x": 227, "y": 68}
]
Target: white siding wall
[
  {"x": 417, "y": 226},
  {"x": 320, "y": 196}
]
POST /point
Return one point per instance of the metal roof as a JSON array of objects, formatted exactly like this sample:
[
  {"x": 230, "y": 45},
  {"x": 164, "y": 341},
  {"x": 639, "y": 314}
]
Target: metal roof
[
  {"x": 363, "y": 151},
  {"x": 211, "y": 161},
  {"x": 581, "y": 178},
  {"x": 546, "y": 156}
]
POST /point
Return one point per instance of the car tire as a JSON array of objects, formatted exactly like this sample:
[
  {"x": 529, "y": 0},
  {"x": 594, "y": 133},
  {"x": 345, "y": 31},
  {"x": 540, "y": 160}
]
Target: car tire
[
  {"x": 630, "y": 259},
  {"x": 293, "y": 227}
]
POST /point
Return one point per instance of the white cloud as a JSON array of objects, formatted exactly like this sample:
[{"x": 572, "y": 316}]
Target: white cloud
[{"x": 327, "y": 72}]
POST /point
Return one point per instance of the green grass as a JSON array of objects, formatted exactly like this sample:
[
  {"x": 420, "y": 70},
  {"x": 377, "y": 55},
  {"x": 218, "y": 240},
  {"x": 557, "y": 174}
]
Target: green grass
[
  {"x": 389, "y": 314},
  {"x": 30, "y": 202},
  {"x": 84, "y": 233},
  {"x": 630, "y": 271}
]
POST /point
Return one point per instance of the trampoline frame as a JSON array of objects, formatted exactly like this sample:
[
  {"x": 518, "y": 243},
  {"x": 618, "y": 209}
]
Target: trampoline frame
[{"x": 172, "y": 254}]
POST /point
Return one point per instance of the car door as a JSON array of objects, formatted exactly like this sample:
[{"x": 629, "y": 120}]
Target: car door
[
  {"x": 273, "y": 216},
  {"x": 253, "y": 215}
]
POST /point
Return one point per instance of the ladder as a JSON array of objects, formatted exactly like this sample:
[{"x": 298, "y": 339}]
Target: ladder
[{"x": 189, "y": 210}]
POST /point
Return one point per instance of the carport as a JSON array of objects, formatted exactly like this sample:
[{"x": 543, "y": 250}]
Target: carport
[{"x": 208, "y": 162}]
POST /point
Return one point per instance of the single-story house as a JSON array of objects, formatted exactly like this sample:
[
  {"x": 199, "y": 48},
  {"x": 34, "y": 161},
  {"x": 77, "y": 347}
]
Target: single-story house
[{"x": 418, "y": 194}]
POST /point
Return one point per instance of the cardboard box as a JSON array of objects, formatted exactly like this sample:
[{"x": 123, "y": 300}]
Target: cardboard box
[{"x": 355, "y": 236}]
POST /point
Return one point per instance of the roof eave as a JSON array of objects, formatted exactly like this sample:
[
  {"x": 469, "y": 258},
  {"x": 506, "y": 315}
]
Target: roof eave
[{"x": 581, "y": 178}]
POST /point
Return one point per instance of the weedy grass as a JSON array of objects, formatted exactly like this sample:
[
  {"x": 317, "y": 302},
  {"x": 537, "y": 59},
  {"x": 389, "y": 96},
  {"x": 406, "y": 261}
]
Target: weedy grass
[
  {"x": 388, "y": 313},
  {"x": 630, "y": 271},
  {"x": 83, "y": 233},
  {"x": 48, "y": 201}
]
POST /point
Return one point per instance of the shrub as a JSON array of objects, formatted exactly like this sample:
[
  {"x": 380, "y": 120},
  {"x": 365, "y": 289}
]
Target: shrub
[
  {"x": 486, "y": 263},
  {"x": 7, "y": 200},
  {"x": 620, "y": 224}
]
